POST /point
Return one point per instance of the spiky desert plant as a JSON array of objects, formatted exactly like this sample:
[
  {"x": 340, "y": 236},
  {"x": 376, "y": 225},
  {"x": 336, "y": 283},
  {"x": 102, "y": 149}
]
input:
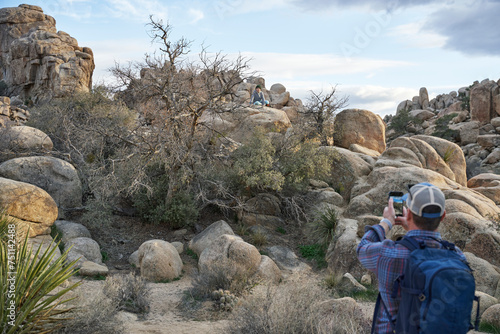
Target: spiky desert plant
[{"x": 31, "y": 296}]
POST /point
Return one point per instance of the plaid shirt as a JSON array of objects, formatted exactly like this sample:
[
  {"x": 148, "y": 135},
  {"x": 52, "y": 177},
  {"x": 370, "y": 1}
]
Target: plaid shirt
[{"x": 387, "y": 260}]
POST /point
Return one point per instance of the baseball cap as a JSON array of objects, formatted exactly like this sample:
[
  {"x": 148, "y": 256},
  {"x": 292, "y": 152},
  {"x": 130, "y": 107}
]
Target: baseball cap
[{"x": 423, "y": 195}]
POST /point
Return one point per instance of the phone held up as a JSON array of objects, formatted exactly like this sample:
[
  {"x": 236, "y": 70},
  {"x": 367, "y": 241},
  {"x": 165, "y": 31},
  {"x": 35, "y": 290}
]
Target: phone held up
[{"x": 397, "y": 197}]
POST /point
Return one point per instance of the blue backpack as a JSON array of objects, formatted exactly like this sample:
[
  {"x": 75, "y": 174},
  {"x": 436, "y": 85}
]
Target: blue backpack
[{"x": 437, "y": 291}]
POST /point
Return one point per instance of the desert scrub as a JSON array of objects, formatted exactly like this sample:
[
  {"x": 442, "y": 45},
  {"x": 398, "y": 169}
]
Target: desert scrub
[
  {"x": 226, "y": 277},
  {"x": 286, "y": 165},
  {"x": 129, "y": 292},
  {"x": 93, "y": 313},
  {"x": 154, "y": 207},
  {"x": 258, "y": 239},
  {"x": 291, "y": 307}
]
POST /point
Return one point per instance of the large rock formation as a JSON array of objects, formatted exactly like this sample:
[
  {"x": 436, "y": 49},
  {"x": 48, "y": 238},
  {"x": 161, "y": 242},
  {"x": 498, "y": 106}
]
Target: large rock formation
[
  {"x": 31, "y": 207},
  {"x": 361, "y": 127},
  {"x": 57, "y": 177},
  {"x": 36, "y": 60}
]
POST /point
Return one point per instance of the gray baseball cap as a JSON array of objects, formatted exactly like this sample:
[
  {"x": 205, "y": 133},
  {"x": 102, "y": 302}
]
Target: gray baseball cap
[{"x": 423, "y": 195}]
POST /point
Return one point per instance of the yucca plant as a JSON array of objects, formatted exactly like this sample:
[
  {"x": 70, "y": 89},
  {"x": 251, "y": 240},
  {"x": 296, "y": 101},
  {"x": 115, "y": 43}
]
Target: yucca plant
[{"x": 29, "y": 299}]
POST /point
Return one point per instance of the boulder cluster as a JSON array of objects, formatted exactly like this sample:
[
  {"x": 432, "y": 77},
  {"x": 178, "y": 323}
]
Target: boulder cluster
[
  {"x": 37, "y": 61},
  {"x": 470, "y": 117}
]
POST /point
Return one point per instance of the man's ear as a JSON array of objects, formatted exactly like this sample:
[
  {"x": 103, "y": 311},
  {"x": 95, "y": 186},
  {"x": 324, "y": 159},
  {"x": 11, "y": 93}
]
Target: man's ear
[
  {"x": 442, "y": 217},
  {"x": 409, "y": 214}
]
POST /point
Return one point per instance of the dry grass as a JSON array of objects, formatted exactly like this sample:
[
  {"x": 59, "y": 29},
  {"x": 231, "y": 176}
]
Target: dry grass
[
  {"x": 258, "y": 239},
  {"x": 226, "y": 277},
  {"x": 96, "y": 315},
  {"x": 129, "y": 292},
  {"x": 295, "y": 308}
]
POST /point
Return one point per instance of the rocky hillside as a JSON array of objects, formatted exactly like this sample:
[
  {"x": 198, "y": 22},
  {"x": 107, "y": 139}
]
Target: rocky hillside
[
  {"x": 36, "y": 60},
  {"x": 469, "y": 117}
]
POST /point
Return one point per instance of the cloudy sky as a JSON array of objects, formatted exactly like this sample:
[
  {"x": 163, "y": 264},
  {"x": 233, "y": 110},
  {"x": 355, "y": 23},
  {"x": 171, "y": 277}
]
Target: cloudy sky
[{"x": 377, "y": 52}]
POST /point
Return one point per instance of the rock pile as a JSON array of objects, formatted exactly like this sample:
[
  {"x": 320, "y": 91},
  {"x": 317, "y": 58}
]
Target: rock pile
[
  {"x": 36, "y": 60},
  {"x": 11, "y": 114},
  {"x": 470, "y": 117}
]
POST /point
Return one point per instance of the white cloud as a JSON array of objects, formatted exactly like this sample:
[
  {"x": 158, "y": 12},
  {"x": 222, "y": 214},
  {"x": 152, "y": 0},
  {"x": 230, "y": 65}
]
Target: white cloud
[
  {"x": 225, "y": 8},
  {"x": 413, "y": 34},
  {"x": 381, "y": 100},
  {"x": 137, "y": 10},
  {"x": 195, "y": 15},
  {"x": 295, "y": 66}
]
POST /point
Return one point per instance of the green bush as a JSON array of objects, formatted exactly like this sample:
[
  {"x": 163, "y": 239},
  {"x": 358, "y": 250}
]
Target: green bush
[
  {"x": 285, "y": 165},
  {"x": 401, "y": 121},
  {"x": 254, "y": 164},
  {"x": 314, "y": 252},
  {"x": 465, "y": 105},
  {"x": 153, "y": 206},
  {"x": 443, "y": 130}
]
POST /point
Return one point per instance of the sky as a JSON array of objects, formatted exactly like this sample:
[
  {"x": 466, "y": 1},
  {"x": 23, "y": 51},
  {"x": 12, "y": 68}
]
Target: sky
[{"x": 376, "y": 52}]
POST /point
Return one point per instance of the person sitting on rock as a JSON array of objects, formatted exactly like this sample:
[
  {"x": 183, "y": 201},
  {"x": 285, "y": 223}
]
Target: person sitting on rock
[{"x": 258, "y": 97}]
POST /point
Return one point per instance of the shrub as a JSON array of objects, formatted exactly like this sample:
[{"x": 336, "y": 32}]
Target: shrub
[
  {"x": 443, "y": 130},
  {"x": 285, "y": 164},
  {"x": 292, "y": 307},
  {"x": 34, "y": 292},
  {"x": 401, "y": 121},
  {"x": 97, "y": 315},
  {"x": 254, "y": 164},
  {"x": 153, "y": 206},
  {"x": 128, "y": 292},
  {"x": 314, "y": 252},
  {"x": 258, "y": 239},
  {"x": 465, "y": 99},
  {"x": 321, "y": 229},
  {"x": 229, "y": 277}
]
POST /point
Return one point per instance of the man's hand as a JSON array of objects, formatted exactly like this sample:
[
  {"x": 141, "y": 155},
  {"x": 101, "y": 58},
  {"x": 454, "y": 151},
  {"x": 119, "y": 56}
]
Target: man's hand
[
  {"x": 402, "y": 220},
  {"x": 389, "y": 212}
]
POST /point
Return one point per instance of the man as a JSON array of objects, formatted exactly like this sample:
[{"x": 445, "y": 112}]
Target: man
[
  {"x": 258, "y": 97},
  {"x": 425, "y": 210}
]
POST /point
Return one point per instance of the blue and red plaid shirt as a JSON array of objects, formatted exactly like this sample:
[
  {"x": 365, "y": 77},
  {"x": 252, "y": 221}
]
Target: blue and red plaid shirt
[{"x": 387, "y": 260}]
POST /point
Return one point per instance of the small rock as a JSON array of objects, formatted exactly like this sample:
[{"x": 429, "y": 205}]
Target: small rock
[
  {"x": 318, "y": 184},
  {"x": 134, "y": 259},
  {"x": 209, "y": 235},
  {"x": 349, "y": 283},
  {"x": 89, "y": 268},
  {"x": 179, "y": 246},
  {"x": 180, "y": 233},
  {"x": 366, "y": 279}
]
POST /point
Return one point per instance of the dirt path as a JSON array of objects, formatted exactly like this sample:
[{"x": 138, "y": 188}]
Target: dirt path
[{"x": 164, "y": 317}]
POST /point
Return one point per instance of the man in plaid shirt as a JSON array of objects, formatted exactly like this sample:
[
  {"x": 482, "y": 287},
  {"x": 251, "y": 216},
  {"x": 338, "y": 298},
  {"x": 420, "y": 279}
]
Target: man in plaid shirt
[{"x": 426, "y": 209}]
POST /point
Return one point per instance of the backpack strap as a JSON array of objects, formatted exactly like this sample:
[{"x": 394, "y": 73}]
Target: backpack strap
[
  {"x": 379, "y": 302},
  {"x": 411, "y": 243},
  {"x": 476, "y": 322}
]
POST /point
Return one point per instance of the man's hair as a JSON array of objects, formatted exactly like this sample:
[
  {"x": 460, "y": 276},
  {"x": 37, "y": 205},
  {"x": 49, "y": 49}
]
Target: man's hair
[
  {"x": 258, "y": 86},
  {"x": 428, "y": 224}
]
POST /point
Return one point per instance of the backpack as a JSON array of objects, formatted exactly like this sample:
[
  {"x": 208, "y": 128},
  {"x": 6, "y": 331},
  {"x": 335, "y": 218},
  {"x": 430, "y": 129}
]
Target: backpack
[{"x": 437, "y": 291}]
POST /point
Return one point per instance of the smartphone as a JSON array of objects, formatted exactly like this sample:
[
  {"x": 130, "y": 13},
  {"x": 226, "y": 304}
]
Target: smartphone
[{"x": 397, "y": 197}]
